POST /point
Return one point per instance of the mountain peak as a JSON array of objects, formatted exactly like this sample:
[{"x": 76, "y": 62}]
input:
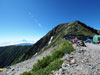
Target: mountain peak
[
  {"x": 61, "y": 30},
  {"x": 78, "y": 22}
]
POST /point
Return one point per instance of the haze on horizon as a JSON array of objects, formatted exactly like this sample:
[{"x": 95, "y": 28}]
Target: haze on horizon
[{"x": 31, "y": 19}]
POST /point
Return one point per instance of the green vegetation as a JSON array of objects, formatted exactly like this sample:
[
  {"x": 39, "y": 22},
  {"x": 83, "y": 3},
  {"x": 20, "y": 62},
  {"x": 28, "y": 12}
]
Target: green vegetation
[
  {"x": 56, "y": 64},
  {"x": 84, "y": 31},
  {"x": 42, "y": 63},
  {"x": 27, "y": 73},
  {"x": 53, "y": 62},
  {"x": 9, "y": 54}
]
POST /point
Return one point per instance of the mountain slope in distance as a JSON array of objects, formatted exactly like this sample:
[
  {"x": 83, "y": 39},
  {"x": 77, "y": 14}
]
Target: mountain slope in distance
[
  {"x": 24, "y": 44},
  {"x": 76, "y": 28},
  {"x": 9, "y": 54}
]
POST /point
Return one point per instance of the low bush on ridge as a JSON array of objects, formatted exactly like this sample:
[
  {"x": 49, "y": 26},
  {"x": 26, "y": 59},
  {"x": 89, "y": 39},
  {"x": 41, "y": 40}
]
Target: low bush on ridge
[
  {"x": 49, "y": 63},
  {"x": 56, "y": 64}
]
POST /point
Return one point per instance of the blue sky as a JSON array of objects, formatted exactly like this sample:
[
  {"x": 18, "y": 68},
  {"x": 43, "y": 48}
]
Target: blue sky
[{"x": 31, "y": 19}]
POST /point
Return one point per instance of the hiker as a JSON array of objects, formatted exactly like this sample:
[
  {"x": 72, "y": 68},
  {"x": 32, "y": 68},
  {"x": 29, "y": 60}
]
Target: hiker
[
  {"x": 98, "y": 42},
  {"x": 78, "y": 43},
  {"x": 75, "y": 41},
  {"x": 82, "y": 43}
]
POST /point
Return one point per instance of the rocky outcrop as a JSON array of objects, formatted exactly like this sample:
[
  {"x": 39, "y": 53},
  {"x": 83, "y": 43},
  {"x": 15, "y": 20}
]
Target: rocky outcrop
[
  {"x": 81, "y": 62},
  {"x": 98, "y": 31}
]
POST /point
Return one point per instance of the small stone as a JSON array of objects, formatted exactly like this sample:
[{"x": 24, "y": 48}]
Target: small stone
[
  {"x": 64, "y": 66},
  {"x": 71, "y": 56},
  {"x": 60, "y": 71},
  {"x": 73, "y": 61},
  {"x": 95, "y": 73},
  {"x": 76, "y": 64},
  {"x": 56, "y": 73}
]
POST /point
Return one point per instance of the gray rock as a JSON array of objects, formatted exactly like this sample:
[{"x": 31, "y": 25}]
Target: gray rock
[
  {"x": 87, "y": 61},
  {"x": 60, "y": 71}
]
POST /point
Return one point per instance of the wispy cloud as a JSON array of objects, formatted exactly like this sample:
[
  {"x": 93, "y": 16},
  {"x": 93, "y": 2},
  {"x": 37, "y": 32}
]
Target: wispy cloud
[
  {"x": 40, "y": 25},
  {"x": 35, "y": 20},
  {"x": 23, "y": 41},
  {"x": 15, "y": 42},
  {"x": 29, "y": 13},
  {"x": 37, "y": 23}
]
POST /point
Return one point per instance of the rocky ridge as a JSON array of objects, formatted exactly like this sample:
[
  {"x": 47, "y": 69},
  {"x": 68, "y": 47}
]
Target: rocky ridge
[
  {"x": 75, "y": 27},
  {"x": 83, "y": 61},
  {"x": 98, "y": 31}
]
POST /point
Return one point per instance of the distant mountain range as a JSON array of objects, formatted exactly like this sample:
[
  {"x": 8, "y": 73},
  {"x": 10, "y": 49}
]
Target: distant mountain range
[
  {"x": 9, "y": 54},
  {"x": 17, "y": 43},
  {"x": 24, "y": 44}
]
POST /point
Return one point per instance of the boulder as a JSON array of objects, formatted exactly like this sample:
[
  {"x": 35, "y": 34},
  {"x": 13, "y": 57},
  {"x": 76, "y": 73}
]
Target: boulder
[
  {"x": 71, "y": 56},
  {"x": 73, "y": 61},
  {"x": 98, "y": 31},
  {"x": 64, "y": 66},
  {"x": 60, "y": 71}
]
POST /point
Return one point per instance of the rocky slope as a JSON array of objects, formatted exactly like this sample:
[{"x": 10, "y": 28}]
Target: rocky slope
[
  {"x": 84, "y": 61},
  {"x": 98, "y": 31}
]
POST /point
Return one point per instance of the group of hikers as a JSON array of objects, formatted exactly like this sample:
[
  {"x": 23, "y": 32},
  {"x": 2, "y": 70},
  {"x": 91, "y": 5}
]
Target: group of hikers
[
  {"x": 78, "y": 42},
  {"x": 87, "y": 39}
]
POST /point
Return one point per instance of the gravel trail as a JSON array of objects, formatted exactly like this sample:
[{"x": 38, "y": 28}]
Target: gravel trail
[{"x": 85, "y": 61}]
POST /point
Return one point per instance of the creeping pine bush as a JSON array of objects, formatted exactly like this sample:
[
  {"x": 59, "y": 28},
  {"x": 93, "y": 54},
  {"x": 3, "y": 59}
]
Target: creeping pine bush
[
  {"x": 53, "y": 62},
  {"x": 26, "y": 73},
  {"x": 57, "y": 54},
  {"x": 47, "y": 60},
  {"x": 67, "y": 47},
  {"x": 56, "y": 64},
  {"x": 42, "y": 63}
]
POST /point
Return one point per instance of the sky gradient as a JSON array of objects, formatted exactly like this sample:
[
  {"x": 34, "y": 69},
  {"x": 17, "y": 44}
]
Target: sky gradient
[{"x": 31, "y": 19}]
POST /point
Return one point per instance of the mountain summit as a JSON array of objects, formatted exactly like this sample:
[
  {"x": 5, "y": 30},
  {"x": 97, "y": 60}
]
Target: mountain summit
[{"x": 51, "y": 38}]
